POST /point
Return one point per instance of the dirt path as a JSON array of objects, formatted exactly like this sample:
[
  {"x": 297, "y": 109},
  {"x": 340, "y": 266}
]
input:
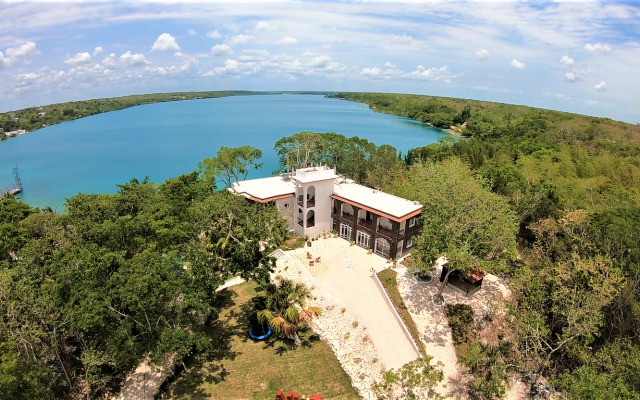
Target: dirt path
[{"x": 433, "y": 325}]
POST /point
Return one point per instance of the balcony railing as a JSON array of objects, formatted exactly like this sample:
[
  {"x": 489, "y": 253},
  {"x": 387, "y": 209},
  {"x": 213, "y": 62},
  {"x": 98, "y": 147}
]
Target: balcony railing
[
  {"x": 301, "y": 222},
  {"x": 311, "y": 223},
  {"x": 384, "y": 231},
  {"x": 365, "y": 223},
  {"x": 300, "y": 198},
  {"x": 311, "y": 202},
  {"x": 346, "y": 214}
]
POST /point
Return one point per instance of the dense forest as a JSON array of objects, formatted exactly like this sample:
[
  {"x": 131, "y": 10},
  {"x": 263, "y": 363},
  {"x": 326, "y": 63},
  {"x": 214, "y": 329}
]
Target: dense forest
[
  {"x": 570, "y": 185},
  {"x": 86, "y": 295},
  {"x": 549, "y": 201},
  {"x": 34, "y": 118}
]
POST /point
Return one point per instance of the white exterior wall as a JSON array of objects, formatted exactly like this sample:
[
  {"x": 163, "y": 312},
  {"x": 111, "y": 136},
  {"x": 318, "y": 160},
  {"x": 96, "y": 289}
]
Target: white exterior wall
[{"x": 322, "y": 207}]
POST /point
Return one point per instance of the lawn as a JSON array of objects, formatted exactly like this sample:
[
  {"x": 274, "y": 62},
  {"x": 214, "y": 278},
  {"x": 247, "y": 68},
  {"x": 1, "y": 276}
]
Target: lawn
[{"x": 246, "y": 369}]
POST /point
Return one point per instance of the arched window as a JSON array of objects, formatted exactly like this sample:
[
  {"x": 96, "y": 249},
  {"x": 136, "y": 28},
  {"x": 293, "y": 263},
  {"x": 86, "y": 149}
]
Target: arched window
[
  {"x": 311, "y": 219},
  {"x": 311, "y": 196}
]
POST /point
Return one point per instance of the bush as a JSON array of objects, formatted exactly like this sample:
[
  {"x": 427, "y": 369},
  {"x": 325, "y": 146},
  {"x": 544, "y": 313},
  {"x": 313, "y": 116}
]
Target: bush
[{"x": 460, "y": 320}]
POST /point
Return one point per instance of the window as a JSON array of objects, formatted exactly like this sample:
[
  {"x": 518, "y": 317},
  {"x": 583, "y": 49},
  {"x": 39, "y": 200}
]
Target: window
[
  {"x": 412, "y": 222},
  {"x": 345, "y": 231},
  {"x": 409, "y": 242},
  {"x": 286, "y": 205},
  {"x": 363, "y": 239}
]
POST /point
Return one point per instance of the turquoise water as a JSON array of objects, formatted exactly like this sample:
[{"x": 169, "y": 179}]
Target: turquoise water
[{"x": 164, "y": 140}]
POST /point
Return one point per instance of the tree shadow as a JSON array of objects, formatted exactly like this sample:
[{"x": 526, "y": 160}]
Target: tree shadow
[
  {"x": 282, "y": 345},
  {"x": 208, "y": 367}
]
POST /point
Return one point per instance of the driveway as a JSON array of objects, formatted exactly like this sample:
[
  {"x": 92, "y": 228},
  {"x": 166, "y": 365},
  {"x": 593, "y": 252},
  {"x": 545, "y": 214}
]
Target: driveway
[{"x": 344, "y": 273}]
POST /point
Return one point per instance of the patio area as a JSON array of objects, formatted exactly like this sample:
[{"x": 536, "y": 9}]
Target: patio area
[{"x": 356, "y": 321}]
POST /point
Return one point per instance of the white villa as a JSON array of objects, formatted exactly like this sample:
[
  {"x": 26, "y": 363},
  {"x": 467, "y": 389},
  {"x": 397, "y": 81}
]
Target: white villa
[{"x": 315, "y": 200}]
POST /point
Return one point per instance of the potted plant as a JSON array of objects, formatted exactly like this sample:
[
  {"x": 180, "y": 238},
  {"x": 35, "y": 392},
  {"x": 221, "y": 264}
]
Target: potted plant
[{"x": 423, "y": 275}]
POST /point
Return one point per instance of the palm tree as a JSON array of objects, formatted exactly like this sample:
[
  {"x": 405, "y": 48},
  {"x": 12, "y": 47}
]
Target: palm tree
[{"x": 284, "y": 310}]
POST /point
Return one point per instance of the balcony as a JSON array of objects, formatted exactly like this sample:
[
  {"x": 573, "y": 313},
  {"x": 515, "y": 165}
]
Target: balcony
[
  {"x": 347, "y": 215},
  {"x": 311, "y": 202},
  {"x": 301, "y": 222},
  {"x": 300, "y": 201},
  {"x": 365, "y": 223},
  {"x": 384, "y": 231}
]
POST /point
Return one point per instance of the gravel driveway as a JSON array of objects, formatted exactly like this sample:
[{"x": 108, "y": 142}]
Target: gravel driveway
[{"x": 344, "y": 273}]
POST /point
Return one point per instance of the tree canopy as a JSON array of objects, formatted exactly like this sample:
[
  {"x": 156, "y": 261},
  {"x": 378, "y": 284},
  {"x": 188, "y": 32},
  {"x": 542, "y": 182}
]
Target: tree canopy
[
  {"x": 231, "y": 164},
  {"x": 85, "y": 296}
]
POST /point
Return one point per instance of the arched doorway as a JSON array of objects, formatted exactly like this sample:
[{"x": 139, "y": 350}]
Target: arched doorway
[
  {"x": 311, "y": 219},
  {"x": 383, "y": 248}
]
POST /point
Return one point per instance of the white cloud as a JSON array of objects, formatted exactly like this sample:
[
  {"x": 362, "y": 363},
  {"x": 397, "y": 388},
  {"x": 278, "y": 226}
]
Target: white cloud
[
  {"x": 597, "y": 48},
  {"x": 188, "y": 60},
  {"x": 375, "y": 71},
  {"x": 309, "y": 54},
  {"x": 239, "y": 39},
  {"x": 320, "y": 62},
  {"x": 254, "y": 55},
  {"x": 22, "y": 51},
  {"x": 389, "y": 65},
  {"x": 441, "y": 74},
  {"x": 570, "y": 77},
  {"x": 165, "y": 42},
  {"x": 15, "y": 53},
  {"x": 601, "y": 87},
  {"x": 566, "y": 61},
  {"x": 401, "y": 40},
  {"x": 97, "y": 50},
  {"x": 79, "y": 58},
  {"x": 192, "y": 32},
  {"x": 231, "y": 65},
  {"x": 214, "y": 34},
  {"x": 482, "y": 54},
  {"x": 517, "y": 64},
  {"x": 287, "y": 40},
  {"x": 129, "y": 59},
  {"x": 264, "y": 26},
  {"x": 110, "y": 61},
  {"x": 221, "y": 50}
]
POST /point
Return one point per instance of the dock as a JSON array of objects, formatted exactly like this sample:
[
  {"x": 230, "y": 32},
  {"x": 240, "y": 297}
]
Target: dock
[{"x": 17, "y": 187}]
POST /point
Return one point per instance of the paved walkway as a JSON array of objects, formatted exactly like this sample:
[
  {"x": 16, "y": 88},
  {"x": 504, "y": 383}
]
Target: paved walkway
[{"x": 344, "y": 272}]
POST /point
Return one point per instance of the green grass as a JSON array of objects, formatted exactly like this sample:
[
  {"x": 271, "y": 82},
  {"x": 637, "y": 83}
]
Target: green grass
[
  {"x": 295, "y": 242},
  {"x": 245, "y": 369},
  {"x": 389, "y": 282}
]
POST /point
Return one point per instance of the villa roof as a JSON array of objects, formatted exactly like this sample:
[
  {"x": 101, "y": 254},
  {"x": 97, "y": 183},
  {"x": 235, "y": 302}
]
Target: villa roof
[
  {"x": 314, "y": 174},
  {"x": 282, "y": 186},
  {"x": 265, "y": 189},
  {"x": 393, "y": 207}
]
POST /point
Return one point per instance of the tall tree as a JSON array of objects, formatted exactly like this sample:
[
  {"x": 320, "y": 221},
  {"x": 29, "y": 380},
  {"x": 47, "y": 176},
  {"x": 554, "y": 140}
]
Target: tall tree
[
  {"x": 462, "y": 219},
  {"x": 231, "y": 164},
  {"x": 299, "y": 150}
]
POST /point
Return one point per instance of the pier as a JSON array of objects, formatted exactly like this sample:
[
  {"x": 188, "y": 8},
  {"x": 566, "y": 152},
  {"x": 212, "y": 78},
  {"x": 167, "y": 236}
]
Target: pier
[{"x": 17, "y": 187}]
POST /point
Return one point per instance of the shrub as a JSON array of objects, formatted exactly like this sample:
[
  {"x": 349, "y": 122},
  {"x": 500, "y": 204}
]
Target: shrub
[{"x": 460, "y": 320}]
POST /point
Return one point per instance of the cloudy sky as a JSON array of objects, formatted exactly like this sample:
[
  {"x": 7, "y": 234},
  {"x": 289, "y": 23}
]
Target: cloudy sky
[{"x": 581, "y": 57}]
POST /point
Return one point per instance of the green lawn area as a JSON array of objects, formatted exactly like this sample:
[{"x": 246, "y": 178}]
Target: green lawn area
[{"x": 245, "y": 369}]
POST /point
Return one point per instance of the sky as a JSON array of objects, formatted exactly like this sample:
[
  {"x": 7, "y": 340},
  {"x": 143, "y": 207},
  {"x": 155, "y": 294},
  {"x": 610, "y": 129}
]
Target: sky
[{"x": 576, "y": 56}]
